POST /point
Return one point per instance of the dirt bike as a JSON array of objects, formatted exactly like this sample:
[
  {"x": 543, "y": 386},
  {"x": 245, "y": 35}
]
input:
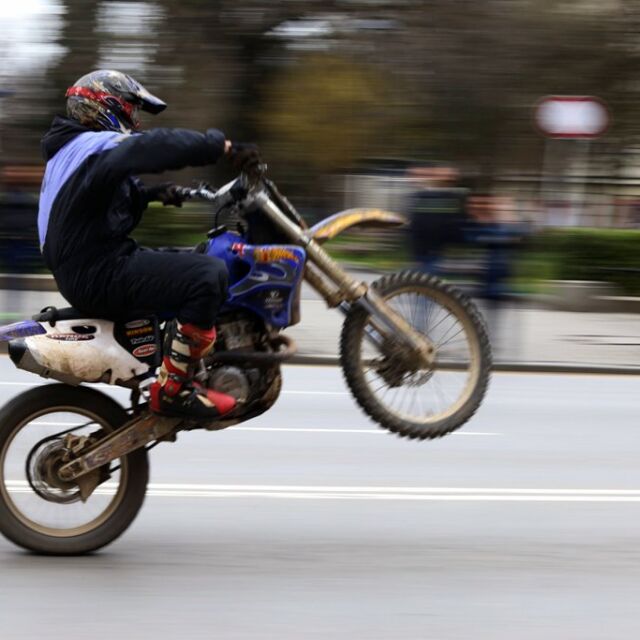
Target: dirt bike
[{"x": 74, "y": 463}]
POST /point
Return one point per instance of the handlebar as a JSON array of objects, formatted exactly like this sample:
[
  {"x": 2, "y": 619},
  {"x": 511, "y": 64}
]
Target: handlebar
[
  {"x": 220, "y": 198},
  {"x": 199, "y": 192},
  {"x": 229, "y": 193}
]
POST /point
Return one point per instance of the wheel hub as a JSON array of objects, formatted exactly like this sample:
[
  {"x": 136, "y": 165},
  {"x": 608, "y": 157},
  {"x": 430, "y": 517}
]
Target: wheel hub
[
  {"x": 42, "y": 473},
  {"x": 396, "y": 373}
]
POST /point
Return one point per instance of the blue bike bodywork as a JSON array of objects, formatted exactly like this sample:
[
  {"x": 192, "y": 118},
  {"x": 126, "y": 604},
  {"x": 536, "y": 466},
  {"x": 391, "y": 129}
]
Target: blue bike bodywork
[{"x": 264, "y": 279}]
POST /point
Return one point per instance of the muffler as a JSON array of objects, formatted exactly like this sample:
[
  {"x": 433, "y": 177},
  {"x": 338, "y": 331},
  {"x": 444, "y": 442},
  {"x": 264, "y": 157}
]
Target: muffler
[{"x": 24, "y": 359}]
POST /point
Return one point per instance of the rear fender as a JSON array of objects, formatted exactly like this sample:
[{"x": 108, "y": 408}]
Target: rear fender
[
  {"x": 22, "y": 329},
  {"x": 337, "y": 223}
]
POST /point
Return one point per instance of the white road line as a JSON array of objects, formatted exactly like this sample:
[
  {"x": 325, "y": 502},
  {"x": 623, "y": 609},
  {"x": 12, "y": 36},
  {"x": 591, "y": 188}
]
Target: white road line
[
  {"x": 316, "y": 393},
  {"x": 101, "y": 385},
  {"x": 303, "y": 492},
  {"x": 20, "y": 384},
  {"x": 44, "y": 423},
  {"x": 370, "y": 431}
]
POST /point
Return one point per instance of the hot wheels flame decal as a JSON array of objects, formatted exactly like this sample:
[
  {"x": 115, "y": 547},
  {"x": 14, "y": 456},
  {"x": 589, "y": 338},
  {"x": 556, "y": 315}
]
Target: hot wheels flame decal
[
  {"x": 273, "y": 254},
  {"x": 269, "y": 253}
]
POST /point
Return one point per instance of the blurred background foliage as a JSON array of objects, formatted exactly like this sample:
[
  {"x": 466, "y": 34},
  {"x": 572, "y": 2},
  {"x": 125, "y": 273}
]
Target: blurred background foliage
[
  {"x": 585, "y": 254},
  {"x": 322, "y": 86},
  {"x": 324, "y": 83}
]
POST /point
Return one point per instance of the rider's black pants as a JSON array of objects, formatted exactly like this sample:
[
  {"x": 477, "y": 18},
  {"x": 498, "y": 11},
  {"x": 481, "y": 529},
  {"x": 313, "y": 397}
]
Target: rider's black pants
[{"x": 115, "y": 286}]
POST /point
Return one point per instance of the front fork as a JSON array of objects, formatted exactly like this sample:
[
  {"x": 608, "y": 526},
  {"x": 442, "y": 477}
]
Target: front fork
[{"x": 339, "y": 289}]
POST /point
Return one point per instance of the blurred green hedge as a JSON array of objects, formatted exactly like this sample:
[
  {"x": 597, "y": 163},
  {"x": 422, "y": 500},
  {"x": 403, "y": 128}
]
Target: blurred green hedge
[{"x": 610, "y": 255}]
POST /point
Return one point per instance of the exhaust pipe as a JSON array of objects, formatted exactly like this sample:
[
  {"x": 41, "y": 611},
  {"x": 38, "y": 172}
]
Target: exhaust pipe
[{"x": 24, "y": 359}]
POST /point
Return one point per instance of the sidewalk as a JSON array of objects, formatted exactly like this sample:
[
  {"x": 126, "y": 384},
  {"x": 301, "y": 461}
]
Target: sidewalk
[{"x": 520, "y": 334}]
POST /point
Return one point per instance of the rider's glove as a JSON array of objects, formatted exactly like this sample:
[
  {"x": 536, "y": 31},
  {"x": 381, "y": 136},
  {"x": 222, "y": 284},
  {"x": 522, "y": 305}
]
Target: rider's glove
[
  {"x": 245, "y": 157},
  {"x": 167, "y": 193}
]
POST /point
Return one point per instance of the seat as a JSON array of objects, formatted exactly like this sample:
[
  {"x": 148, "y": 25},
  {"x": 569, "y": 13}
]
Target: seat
[{"x": 53, "y": 314}]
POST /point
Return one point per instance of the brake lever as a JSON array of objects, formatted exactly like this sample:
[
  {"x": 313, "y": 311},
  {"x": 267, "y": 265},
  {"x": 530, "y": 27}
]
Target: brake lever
[
  {"x": 201, "y": 191},
  {"x": 243, "y": 185},
  {"x": 185, "y": 193}
]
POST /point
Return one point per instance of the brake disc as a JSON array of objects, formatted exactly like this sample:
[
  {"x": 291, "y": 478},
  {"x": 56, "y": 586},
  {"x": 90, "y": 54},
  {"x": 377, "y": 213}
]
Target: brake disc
[
  {"x": 42, "y": 466},
  {"x": 44, "y": 462}
]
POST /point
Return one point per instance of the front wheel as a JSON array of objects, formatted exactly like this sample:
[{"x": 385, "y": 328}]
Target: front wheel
[
  {"x": 38, "y": 510},
  {"x": 408, "y": 400}
]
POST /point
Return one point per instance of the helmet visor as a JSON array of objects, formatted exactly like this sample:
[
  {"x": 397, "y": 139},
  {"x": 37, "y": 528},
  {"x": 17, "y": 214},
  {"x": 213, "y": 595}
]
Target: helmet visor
[{"x": 148, "y": 102}]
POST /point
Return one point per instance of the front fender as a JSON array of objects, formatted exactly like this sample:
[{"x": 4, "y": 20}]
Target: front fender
[{"x": 337, "y": 223}]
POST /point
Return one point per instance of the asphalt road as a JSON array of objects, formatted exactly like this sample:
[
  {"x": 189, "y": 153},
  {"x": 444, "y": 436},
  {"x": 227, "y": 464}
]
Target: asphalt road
[{"x": 310, "y": 523}]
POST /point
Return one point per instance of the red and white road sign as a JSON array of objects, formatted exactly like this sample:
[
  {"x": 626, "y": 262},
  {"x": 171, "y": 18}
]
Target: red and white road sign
[{"x": 571, "y": 116}]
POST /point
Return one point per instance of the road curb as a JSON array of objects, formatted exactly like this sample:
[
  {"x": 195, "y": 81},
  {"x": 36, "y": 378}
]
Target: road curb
[
  {"x": 505, "y": 367},
  {"x": 567, "y": 368}
]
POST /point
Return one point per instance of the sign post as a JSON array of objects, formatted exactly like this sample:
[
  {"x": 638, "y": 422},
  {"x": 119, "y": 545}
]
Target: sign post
[{"x": 569, "y": 118}]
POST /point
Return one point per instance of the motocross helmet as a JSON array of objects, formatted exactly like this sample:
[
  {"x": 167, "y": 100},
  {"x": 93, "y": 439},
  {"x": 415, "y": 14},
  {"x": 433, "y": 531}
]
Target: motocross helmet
[{"x": 109, "y": 101}]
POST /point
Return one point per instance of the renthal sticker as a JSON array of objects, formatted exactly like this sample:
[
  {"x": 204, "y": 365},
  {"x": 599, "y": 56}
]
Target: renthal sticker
[
  {"x": 70, "y": 337},
  {"x": 142, "y": 339},
  {"x": 273, "y": 254},
  {"x": 135, "y": 324},
  {"x": 144, "y": 350},
  {"x": 141, "y": 331}
]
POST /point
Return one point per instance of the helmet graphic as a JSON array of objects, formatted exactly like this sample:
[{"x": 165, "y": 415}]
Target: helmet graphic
[{"x": 110, "y": 101}]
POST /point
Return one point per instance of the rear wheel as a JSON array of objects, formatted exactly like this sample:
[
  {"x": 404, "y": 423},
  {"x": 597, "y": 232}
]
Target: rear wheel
[
  {"x": 408, "y": 400},
  {"x": 39, "y": 511}
]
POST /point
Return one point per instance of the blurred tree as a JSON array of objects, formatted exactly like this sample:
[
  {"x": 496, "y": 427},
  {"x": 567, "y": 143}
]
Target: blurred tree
[
  {"x": 454, "y": 80},
  {"x": 80, "y": 39},
  {"x": 484, "y": 65},
  {"x": 323, "y": 113}
]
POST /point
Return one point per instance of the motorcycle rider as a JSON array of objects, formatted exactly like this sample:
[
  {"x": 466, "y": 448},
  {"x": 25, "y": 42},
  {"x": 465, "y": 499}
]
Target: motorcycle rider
[{"x": 90, "y": 202}]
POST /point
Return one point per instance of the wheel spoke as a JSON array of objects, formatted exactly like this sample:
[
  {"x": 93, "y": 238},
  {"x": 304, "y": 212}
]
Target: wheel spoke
[
  {"x": 424, "y": 396},
  {"x": 27, "y": 488},
  {"x": 457, "y": 333}
]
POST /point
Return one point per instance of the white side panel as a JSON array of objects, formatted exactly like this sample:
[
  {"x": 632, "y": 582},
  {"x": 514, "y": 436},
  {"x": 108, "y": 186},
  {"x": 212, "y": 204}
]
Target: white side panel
[{"x": 86, "y": 356}]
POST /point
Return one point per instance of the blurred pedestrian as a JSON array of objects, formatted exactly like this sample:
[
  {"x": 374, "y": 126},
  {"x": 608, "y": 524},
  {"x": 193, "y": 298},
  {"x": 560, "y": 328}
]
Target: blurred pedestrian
[
  {"x": 494, "y": 227},
  {"x": 437, "y": 214},
  {"x": 19, "y": 252},
  {"x": 18, "y": 218}
]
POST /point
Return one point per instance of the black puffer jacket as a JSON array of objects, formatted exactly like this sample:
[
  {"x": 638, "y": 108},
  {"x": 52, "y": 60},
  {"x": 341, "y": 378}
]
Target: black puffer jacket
[{"x": 90, "y": 201}]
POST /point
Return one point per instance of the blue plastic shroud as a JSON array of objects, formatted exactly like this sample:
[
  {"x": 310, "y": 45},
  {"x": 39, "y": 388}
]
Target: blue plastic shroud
[
  {"x": 265, "y": 279},
  {"x": 22, "y": 329}
]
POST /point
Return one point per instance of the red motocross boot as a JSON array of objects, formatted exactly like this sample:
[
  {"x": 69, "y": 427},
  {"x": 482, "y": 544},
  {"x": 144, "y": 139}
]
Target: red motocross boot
[{"x": 175, "y": 393}]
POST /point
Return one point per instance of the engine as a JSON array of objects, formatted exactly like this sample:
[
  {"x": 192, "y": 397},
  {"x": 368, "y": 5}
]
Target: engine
[
  {"x": 233, "y": 381},
  {"x": 240, "y": 332}
]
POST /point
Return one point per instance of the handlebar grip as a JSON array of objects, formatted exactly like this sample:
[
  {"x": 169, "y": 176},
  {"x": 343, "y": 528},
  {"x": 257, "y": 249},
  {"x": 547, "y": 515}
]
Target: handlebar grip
[{"x": 185, "y": 192}]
